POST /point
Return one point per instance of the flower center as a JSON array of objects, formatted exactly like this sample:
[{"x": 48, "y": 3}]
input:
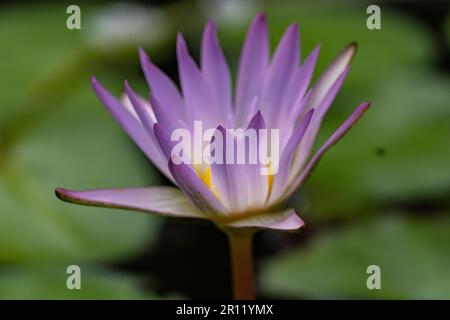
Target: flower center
[{"x": 205, "y": 174}]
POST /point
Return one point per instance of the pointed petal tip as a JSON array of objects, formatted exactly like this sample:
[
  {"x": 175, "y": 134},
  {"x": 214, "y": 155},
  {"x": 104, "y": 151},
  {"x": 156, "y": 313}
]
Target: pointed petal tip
[
  {"x": 309, "y": 114},
  {"x": 94, "y": 82},
  {"x": 292, "y": 224},
  {"x": 181, "y": 43},
  {"x": 209, "y": 37},
  {"x": 129, "y": 91},
  {"x": 351, "y": 48},
  {"x": 257, "y": 117},
  {"x": 141, "y": 52},
  {"x": 260, "y": 18},
  {"x": 259, "y": 23},
  {"x": 98, "y": 88},
  {"x": 146, "y": 61},
  {"x": 102, "y": 93},
  {"x": 315, "y": 52},
  {"x": 292, "y": 30},
  {"x": 143, "y": 56},
  {"x": 65, "y": 195},
  {"x": 353, "y": 45},
  {"x": 182, "y": 49},
  {"x": 59, "y": 193},
  {"x": 257, "y": 121},
  {"x": 210, "y": 31},
  {"x": 294, "y": 26},
  {"x": 364, "y": 106},
  {"x": 210, "y": 24}
]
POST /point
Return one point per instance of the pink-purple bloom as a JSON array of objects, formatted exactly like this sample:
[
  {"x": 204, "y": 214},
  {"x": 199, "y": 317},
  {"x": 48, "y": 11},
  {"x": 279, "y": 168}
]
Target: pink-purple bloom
[{"x": 271, "y": 92}]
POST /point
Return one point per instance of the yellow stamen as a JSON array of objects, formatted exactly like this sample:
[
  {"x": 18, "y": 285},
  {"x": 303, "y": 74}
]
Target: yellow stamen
[
  {"x": 206, "y": 176},
  {"x": 270, "y": 179},
  {"x": 204, "y": 173}
]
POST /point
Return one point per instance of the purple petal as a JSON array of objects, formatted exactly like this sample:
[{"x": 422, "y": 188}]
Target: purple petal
[
  {"x": 281, "y": 178},
  {"x": 163, "y": 138},
  {"x": 310, "y": 137},
  {"x": 253, "y": 65},
  {"x": 131, "y": 126},
  {"x": 257, "y": 184},
  {"x": 299, "y": 84},
  {"x": 162, "y": 86},
  {"x": 125, "y": 101},
  {"x": 215, "y": 71},
  {"x": 306, "y": 71},
  {"x": 284, "y": 63},
  {"x": 331, "y": 94},
  {"x": 189, "y": 182},
  {"x": 333, "y": 71},
  {"x": 165, "y": 143},
  {"x": 167, "y": 201},
  {"x": 257, "y": 122},
  {"x": 195, "y": 91},
  {"x": 229, "y": 179},
  {"x": 286, "y": 220},
  {"x": 140, "y": 108},
  {"x": 169, "y": 121},
  {"x": 334, "y": 138},
  {"x": 300, "y": 106}
]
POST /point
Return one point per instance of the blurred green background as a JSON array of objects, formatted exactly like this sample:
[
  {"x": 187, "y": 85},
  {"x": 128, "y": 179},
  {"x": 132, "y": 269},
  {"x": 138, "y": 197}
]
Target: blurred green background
[{"x": 381, "y": 196}]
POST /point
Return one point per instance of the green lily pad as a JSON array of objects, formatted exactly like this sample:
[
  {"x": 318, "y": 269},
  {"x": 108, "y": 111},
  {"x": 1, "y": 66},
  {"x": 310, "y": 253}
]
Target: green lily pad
[
  {"x": 413, "y": 255},
  {"x": 77, "y": 146},
  {"x": 54, "y": 132},
  {"x": 35, "y": 42},
  {"x": 50, "y": 282}
]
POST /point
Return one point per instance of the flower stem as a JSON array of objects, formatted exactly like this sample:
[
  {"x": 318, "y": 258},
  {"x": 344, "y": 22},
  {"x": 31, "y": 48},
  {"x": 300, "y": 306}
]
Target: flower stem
[{"x": 242, "y": 264}]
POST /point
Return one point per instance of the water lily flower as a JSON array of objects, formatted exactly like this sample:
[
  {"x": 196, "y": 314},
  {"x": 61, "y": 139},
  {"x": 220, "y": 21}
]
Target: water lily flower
[{"x": 271, "y": 92}]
